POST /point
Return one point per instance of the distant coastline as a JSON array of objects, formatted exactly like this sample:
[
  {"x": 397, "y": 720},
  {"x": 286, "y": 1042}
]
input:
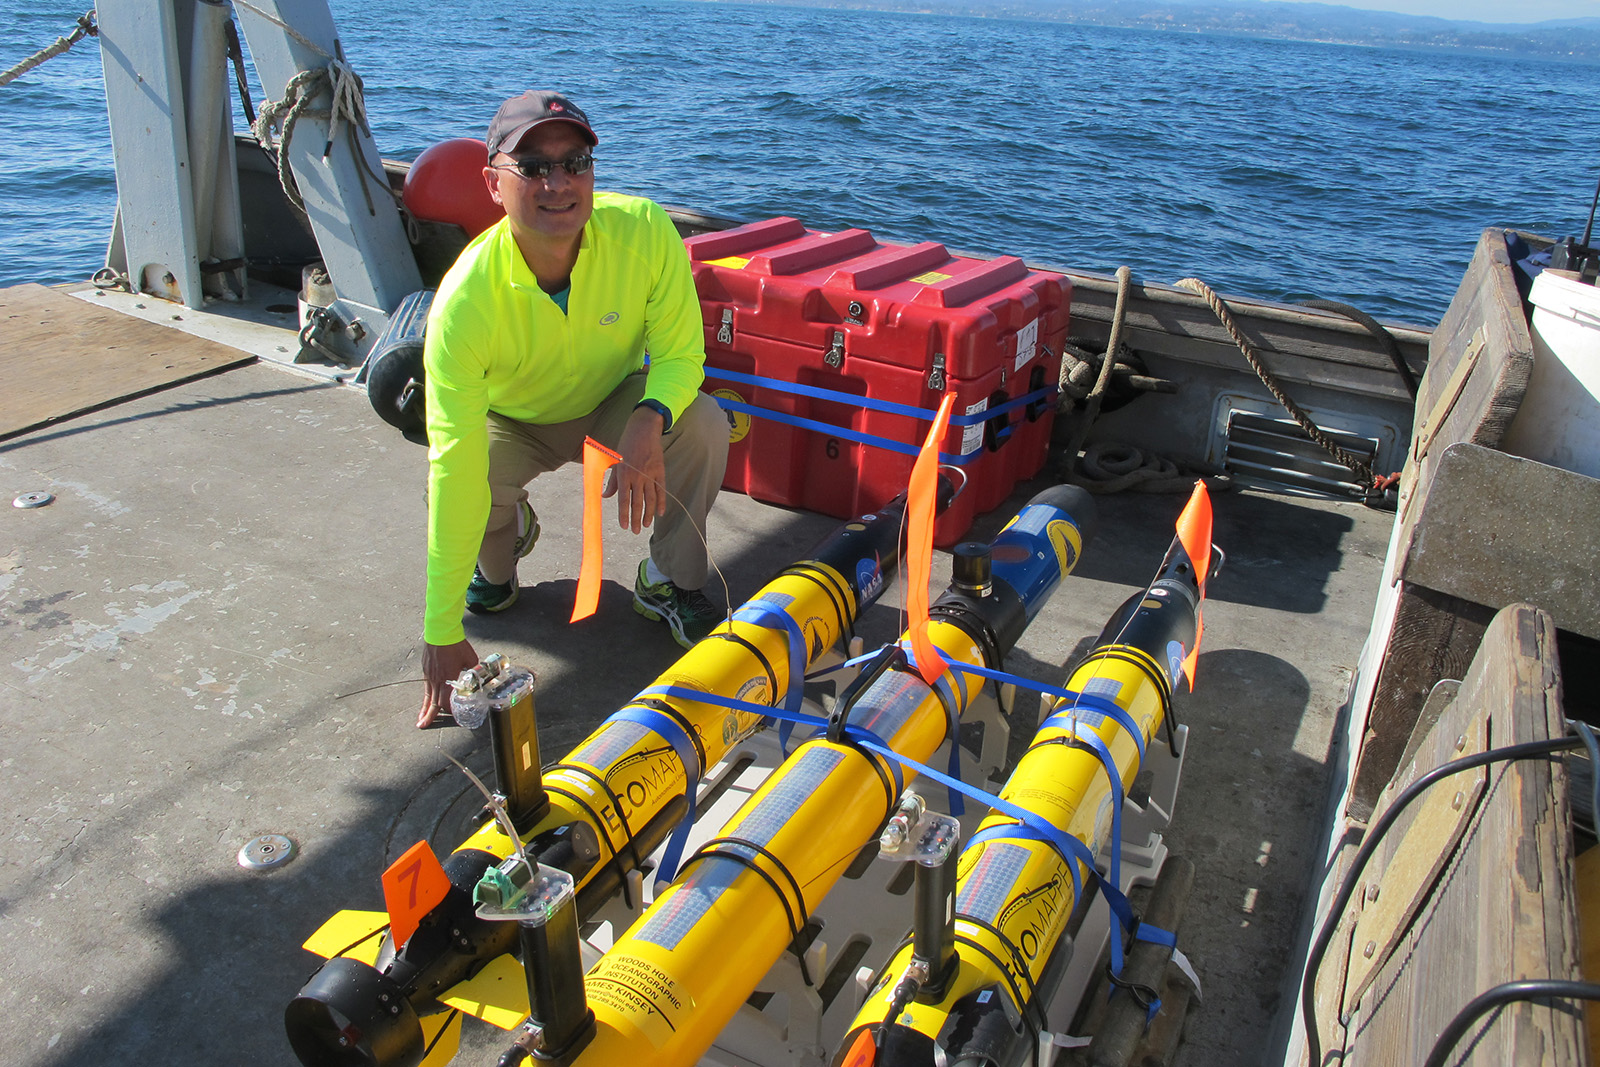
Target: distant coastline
[{"x": 1565, "y": 40}]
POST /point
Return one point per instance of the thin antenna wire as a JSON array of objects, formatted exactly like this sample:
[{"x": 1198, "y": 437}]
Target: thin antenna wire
[
  {"x": 711, "y": 559},
  {"x": 1587, "y": 230},
  {"x": 903, "y": 619},
  {"x": 1117, "y": 639},
  {"x": 498, "y": 808}
]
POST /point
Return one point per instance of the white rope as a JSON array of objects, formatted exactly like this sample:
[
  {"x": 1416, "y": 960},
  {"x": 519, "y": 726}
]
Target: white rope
[
  {"x": 348, "y": 103},
  {"x": 282, "y": 25},
  {"x": 346, "y": 111},
  {"x": 347, "y": 108},
  {"x": 86, "y": 25}
]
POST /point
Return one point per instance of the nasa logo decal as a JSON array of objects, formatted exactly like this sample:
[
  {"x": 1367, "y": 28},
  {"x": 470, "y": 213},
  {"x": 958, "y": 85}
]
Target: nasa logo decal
[
  {"x": 869, "y": 578},
  {"x": 1175, "y": 654}
]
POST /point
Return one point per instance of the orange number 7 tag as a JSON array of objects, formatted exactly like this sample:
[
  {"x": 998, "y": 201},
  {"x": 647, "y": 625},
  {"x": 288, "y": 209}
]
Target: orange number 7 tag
[{"x": 413, "y": 886}]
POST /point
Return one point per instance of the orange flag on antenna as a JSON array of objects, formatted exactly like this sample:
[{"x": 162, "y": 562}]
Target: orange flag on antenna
[
  {"x": 1194, "y": 533},
  {"x": 597, "y": 459},
  {"x": 920, "y": 506},
  {"x": 413, "y": 886}
]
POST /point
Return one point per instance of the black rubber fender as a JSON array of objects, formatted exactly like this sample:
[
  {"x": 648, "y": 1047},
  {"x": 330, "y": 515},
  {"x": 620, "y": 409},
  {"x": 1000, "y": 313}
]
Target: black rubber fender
[{"x": 395, "y": 375}]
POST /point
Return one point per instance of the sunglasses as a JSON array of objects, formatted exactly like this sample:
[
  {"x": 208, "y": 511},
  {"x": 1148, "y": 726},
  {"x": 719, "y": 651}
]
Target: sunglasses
[{"x": 534, "y": 169}]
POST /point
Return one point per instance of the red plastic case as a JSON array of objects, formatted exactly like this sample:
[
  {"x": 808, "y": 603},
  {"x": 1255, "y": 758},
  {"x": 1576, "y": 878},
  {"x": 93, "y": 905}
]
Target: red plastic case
[{"x": 897, "y": 323}]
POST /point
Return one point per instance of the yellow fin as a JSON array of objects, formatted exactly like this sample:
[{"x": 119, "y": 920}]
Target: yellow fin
[
  {"x": 441, "y": 1035},
  {"x": 497, "y": 994},
  {"x": 352, "y": 933}
]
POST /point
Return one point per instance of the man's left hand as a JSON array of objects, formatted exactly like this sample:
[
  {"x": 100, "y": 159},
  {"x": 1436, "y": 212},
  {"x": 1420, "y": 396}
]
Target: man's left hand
[{"x": 639, "y": 481}]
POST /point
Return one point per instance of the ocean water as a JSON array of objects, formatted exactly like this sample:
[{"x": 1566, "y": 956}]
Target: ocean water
[{"x": 1276, "y": 169}]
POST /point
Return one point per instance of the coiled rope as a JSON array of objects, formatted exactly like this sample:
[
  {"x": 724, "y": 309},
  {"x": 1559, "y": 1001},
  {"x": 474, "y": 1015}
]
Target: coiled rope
[
  {"x": 347, "y": 112},
  {"x": 1253, "y": 356},
  {"x": 344, "y": 87},
  {"x": 86, "y": 28},
  {"x": 1110, "y": 467},
  {"x": 1106, "y": 466}
]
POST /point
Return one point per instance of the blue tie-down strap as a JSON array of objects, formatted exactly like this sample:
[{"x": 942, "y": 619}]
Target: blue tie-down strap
[
  {"x": 1091, "y": 740},
  {"x": 1071, "y": 698},
  {"x": 857, "y": 400},
  {"x": 944, "y": 685},
  {"x": 1072, "y": 851},
  {"x": 1029, "y": 826},
  {"x": 849, "y": 435},
  {"x": 888, "y": 407},
  {"x": 1112, "y": 886},
  {"x": 762, "y": 613},
  {"x": 1146, "y": 995},
  {"x": 675, "y": 735}
]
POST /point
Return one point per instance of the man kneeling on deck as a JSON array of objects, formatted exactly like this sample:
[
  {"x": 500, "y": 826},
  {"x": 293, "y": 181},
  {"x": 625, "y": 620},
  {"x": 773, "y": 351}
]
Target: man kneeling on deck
[{"x": 536, "y": 339}]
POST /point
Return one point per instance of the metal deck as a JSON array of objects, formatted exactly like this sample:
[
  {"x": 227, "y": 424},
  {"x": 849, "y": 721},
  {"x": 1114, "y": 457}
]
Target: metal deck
[{"x": 214, "y": 633}]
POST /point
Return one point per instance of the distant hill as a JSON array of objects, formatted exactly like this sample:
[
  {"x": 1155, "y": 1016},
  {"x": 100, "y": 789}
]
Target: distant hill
[{"x": 1573, "y": 40}]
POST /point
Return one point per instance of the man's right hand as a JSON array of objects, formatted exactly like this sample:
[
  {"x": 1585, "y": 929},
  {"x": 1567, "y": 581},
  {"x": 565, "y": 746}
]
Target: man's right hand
[{"x": 441, "y": 665}]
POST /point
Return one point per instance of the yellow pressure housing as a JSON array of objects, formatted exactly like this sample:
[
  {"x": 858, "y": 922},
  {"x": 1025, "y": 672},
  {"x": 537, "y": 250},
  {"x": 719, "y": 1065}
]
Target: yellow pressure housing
[
  {"x": 622, "y": 779},
  {"x": 670, "y": 984},
  {"x": 624, "y": 774},
  {"x": 1015, "y": 895}
]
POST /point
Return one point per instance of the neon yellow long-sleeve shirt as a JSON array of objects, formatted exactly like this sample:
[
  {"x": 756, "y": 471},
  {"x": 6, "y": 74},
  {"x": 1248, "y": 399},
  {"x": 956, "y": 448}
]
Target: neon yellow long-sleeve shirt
[{"x": 496, "y": 341}]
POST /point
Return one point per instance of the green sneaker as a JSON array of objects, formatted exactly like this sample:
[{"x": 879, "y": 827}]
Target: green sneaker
[
  {"x": 527, "y": 531},
  {"x": 483, "y": 596},
  {"x": 687, "y": 611}
]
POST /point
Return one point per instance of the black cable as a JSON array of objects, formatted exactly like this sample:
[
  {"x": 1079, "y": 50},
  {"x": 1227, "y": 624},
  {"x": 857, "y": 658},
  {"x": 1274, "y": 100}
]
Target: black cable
[
  {"x": 1593, "y": 746},
  {"x": 1319, "y": 949},
  {"x": 1500, "y": 995},
  {"x": 1385, "y": 339},
  {"x": 512, "y": 1056},
  {"x": 902, "y": 996},
  {"x": 1587, "y": 230},
  {"x": 236, "y": 57}
]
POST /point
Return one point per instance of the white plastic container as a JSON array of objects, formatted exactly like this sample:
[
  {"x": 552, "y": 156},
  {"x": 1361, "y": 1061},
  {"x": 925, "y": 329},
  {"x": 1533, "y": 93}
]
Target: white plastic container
[{"x": 1559, "y": 420}]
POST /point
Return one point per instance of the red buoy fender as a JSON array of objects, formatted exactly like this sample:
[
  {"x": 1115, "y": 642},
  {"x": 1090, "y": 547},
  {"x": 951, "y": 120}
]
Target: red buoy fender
[{"x": 445, "y": 184}]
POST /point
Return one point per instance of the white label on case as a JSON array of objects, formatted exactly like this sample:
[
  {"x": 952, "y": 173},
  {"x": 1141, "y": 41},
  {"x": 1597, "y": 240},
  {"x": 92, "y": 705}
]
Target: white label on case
[
  {"x": 1027, "y": 343},
  {"x": 972, "y": 436}
]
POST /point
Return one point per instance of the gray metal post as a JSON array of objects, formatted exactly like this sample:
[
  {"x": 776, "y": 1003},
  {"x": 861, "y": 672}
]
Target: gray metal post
[
  {"x": 150, "y": 146},
  {"x": 357, "y": 226},
  {"x": 219, "y": 230},
  {"x": 172, "y": 144}
]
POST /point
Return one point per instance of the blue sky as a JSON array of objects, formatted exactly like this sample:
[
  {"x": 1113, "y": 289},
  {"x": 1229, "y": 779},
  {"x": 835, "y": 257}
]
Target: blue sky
[{"x": 1520, "y": 11}]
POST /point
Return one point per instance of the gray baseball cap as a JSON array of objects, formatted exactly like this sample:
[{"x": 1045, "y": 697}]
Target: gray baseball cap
[{"x": 522, "y": 113}]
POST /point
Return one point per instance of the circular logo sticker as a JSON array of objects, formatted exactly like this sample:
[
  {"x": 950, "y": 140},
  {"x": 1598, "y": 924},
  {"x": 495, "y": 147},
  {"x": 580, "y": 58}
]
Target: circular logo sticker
[
  {"x": 608, "y": 318},
  {"x": 738, "y": 421},
  {"x": 1067, "y": 542}
]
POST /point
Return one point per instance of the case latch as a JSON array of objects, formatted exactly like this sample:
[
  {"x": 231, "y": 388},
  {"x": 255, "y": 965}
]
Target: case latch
[
  {"x": 725, "y": 331},
  {"x": 835, "y": 356},
  {"x": 936, "y": 375}
]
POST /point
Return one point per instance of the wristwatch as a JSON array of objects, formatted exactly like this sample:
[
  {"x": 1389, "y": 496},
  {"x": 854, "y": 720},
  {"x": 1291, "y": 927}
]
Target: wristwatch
[{"x": 660, "y": 409}]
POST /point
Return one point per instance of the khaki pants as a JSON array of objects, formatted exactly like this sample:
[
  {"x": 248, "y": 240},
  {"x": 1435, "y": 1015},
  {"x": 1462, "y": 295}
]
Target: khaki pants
[{"x": 695, "y": 450}]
